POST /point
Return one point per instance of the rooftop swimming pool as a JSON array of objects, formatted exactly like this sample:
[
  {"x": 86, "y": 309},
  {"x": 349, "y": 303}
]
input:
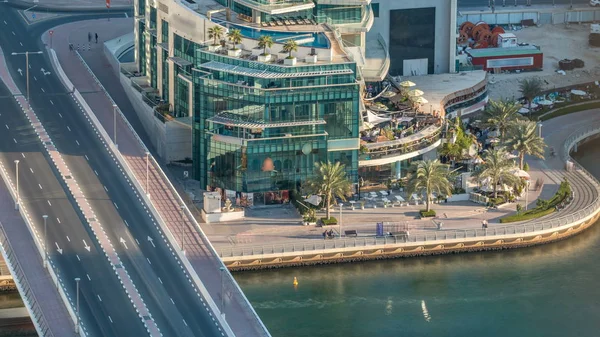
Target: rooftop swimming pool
[{"x": 306, "y": 39}]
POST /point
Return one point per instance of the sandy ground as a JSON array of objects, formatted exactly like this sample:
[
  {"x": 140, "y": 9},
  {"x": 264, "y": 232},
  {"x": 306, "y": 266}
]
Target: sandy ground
[{"x": 557, "y": 42}]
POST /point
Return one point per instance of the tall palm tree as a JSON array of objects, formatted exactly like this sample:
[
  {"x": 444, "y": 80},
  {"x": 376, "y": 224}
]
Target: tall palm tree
[
  {"x": 499, "y": 114},
  {"x": 497, "y": 168},
  {"x": 265, "y": 41},
  {"x": 530, "y": 88},
  {"x": 215, "y": 33},
  {"x": 235, "y": 36},
  {"x": 522, "y": 136},
  {"x": 429, "y": 176},
  {"x": 290, "y": 46},
  {"x": 330, "y": 181}
]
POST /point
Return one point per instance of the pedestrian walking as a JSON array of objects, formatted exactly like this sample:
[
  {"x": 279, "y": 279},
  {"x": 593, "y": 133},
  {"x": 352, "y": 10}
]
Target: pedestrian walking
[
  {"x": 89, "y": 37},
  {"x": 96, "y": 37}
]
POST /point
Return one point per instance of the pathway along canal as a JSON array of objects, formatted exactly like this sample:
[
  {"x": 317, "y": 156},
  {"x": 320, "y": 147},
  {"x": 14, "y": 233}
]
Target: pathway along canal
[{"x": 549, "y": 290}]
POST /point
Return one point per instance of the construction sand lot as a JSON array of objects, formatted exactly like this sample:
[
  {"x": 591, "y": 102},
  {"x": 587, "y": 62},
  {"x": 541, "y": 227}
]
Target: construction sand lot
[{"x": 557, "y": 42}]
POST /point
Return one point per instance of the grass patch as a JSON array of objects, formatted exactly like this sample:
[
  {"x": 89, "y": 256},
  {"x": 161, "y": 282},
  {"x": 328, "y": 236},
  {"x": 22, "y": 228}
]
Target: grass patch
[
  {"x": 329, "y": 222},
  {"x": 544, "y": 207},
  {"x": 570, "y": 109},
  {"x": 427, "y": 214}
]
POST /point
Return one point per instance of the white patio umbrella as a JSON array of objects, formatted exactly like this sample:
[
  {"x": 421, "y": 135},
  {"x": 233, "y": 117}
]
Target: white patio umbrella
[
  {"x": 545, "y": 102},
  {"x": 399, "y": 198},
  {"x": 578, "y": 92},
  {"x": 407, "y": 84},
  {"x": 389, "y": 94},
  {"x": 420, "y": 100},
  {"x": 510, "y": 156},
  {"x": 415, "y": 93},
  {"x": 520, "y": 173},
  {"x": 523, "y": 111},
  {"x": 314, "y": 199}
]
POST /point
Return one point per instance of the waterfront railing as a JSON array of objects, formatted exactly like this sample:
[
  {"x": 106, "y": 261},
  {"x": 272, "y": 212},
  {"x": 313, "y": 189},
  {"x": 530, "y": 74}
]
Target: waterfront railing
[{"x": 436, "y": 237}]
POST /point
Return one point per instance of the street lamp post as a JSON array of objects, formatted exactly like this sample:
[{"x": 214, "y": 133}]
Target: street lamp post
[
  {"x": 115, "y": 125},
  {"x": 147, "y": 159},
  {"x": 77, "y": 279},
  {"x": 527, "y": 194},
  {"x": 539, "y": 124},
  {"x": 341, "y": 206},
  {"x": 27, "y": 66},
  {"x": 45, "y": 239},
  {"x": 222, "y": 269},
  {"x": 18, "y": 203},
  {"x": 182, "y": 230}
]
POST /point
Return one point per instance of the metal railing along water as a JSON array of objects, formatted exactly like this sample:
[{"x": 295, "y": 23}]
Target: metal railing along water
[{"x": 442, "y": 235}]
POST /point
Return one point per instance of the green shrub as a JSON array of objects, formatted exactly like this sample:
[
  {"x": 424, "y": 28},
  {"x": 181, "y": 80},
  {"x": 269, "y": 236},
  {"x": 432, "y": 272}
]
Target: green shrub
[
  {"x": 519, "y": 208},
  {"x": 526, "y": 167},
  {"x": 571, "y": 109},
  {"x": 497, "y": 201},
  {"x": 329, "y": 222},
  {"x": 427, "y": 214},
  {"x": 526, "y": 216},
  {"x": 544, "y": 207}
]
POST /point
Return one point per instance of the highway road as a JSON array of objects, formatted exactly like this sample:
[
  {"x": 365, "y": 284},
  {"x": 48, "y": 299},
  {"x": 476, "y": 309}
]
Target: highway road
[
  {"x": 509, "y": 3},
  {"x": 169, "y": 296},
  {"x": 102, "y": 297}
]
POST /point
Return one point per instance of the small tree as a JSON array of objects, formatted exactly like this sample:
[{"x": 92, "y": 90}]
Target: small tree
[
  {"x": 290, "y": 46},
  {"x": 330, "y": 181},
  {"x": 499, "y": 114},
  {"x": 235, "y": 37},
  {"x": 429, "y": 176},
  {"x": 523, "y": 137},
  {"x": 497, "y": 168},
  {"x": 265, "y": 41},
  {"x": 215, "y": 33},
  {"x": 530, "y": 88}
]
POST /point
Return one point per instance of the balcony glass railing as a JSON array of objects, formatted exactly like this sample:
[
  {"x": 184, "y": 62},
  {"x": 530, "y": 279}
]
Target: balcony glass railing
[{"x": 393, "y": 148}]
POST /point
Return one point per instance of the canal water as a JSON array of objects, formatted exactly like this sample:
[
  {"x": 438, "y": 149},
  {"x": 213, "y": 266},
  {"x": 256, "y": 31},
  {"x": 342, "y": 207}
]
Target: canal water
[{"x": 550, "y": 290}]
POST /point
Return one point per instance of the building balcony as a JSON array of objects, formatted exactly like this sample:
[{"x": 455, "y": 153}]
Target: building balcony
[
  {"x": 386, "y": 152},
  {"x": 344, "y": 2},
  {"x": 377, "y": 59},
  {"x": 277, "y": 7},
  {"x": 364, "y": 25}
]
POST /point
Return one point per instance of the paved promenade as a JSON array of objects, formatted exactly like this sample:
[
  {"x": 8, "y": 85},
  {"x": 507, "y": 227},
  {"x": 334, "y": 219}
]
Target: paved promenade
[{"x": 197, "y": 248}]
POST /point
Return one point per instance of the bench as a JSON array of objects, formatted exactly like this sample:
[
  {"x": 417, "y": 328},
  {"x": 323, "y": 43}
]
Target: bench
[{"x": 351, "y": 232}]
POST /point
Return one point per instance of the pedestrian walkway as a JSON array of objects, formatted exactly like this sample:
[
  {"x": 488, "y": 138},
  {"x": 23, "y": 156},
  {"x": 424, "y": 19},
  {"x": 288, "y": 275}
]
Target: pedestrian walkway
[{"x": 239, "y": 314}]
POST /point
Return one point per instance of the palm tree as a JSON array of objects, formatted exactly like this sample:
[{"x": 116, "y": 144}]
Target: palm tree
[
  {"x": 265, "y": 41},
  {"x": 522, "y": 136},
  {"x": 530, "y": 88},
  {"x": 497, "y": 168},
  {"x": 235, "y": 36},
  {"x": 290, "y": 46},
  {"x": 499, "y": 114},
  {"x": 429, "y": 176},
  {"x": 330, "y": 181},
  {"x": 215, "y": 33}
]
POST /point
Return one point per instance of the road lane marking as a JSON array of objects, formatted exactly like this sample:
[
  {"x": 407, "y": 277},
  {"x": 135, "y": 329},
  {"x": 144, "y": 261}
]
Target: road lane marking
[
  {"x": 136, "y": 240},
  {"x": 172, "y": 300},
  {"x": 148, "y": 260},
  {"x": 86, "y": 157},
  {"x": 40, "y": 185},
  {"x": 51, "y": 102},
  {"x": 68, "y": 128},
  {"x": 21, "y": 43},
  {"x": 126, "y": 15},
  {"x": 106, "y": 189},
  {"x": 49, "y": 202},
  {"x": 35, "y": 78},
  {"x": 78, "y": 259},
  {"x": 127, "y": 224},
  {"x": 58, "y": 220},
  {"x": 184, "y": 322},
  {"x": 85, "y": 245},
  {"x": 159, "y": 280},
  {"x": 68, "y": 239},
  {"x": 5, "y": 22},
  {"x": 99, "y": 298},
  {"x": 14, "y": 33},
  {"x": 23, "y": 154},
  {"x": 115, "y": 205},
  {"x": 15, "y": 141},
  {"x": 88, "y": 276},
  {"x": 43, "y": 90},
  {"x": 97, "y": 174},
  {"x": 60, "y": 115},
  {"x": 30, "y": 169},
  {"x": 110, "y": 319},
  {"x": 7, "y": 126},
  {"x": 77, "y": 142}
]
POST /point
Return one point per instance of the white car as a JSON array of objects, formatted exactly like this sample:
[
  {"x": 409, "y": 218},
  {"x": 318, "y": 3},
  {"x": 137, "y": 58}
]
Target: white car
[{"x": 595, "y": 3}]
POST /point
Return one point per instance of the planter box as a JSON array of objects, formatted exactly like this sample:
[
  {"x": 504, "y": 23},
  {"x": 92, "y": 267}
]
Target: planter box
[
  {"x": 310, "y": 59},
  {"x": 234, "y": 52},
  {"x": 257, "y": 51},
  {"x": 214, "y": 48},
  {"x": 265, "y": 58},
  {"x": 289, "y": 62}
]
